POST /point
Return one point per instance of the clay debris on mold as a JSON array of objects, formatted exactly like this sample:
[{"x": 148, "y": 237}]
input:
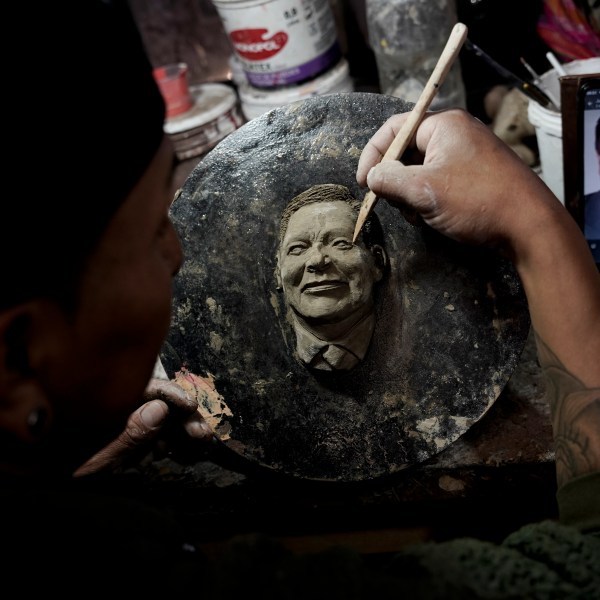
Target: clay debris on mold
[{"x": 211, "y": 404}]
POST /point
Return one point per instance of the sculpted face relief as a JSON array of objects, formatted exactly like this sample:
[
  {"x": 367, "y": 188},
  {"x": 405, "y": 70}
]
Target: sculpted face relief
[
  {"x": 327, "y": 280},
  {"x": 325, "y": 277}
]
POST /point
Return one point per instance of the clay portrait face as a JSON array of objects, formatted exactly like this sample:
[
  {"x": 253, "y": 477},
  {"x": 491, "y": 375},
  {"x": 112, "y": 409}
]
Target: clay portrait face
[
  {"x": 327, "y": 280},
  {"x": 325, "y": 277}
]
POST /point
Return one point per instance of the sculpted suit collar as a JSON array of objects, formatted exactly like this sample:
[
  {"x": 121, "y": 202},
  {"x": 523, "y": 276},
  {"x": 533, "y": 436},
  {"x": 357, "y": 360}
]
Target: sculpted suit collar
[{"x": 340, "y": 354}]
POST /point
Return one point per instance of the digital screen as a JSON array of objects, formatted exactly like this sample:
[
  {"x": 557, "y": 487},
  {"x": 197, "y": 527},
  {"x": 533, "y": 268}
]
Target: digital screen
[
  {"x": 591, "y": 100},
  {"x": 591, "y": 168}
]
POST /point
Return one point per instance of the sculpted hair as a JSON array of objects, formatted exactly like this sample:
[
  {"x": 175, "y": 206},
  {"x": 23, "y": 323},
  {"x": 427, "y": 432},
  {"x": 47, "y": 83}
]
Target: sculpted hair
[{"x": 372, "y": 232}]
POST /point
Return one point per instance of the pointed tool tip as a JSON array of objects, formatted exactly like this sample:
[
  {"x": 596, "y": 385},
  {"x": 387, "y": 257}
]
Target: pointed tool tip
[
  {"x": 365, "y": 208},
  {"x": 357, "y": 229}
]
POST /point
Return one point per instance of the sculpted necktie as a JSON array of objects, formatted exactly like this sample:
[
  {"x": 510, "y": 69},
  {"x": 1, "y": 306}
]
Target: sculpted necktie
[{"x": 334, "y": 357}]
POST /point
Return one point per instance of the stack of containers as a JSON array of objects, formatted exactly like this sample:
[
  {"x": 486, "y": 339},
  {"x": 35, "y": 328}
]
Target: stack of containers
[
  {"x": 285, "y": 50},
  {"x": 197, "y": 117},
  {"x": 214, "y": 114}
]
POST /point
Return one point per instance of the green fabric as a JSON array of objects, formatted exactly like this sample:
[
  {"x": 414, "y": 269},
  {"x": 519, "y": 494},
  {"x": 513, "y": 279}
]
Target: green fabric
[
  {"x": 541, "y": 561},
  {"x": 579, "y": 503},
  {"x": 544, "y": 561}
]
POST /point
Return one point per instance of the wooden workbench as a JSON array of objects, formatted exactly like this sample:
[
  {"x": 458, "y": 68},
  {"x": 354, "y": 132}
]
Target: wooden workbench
[{"x": 498, "y": 476}]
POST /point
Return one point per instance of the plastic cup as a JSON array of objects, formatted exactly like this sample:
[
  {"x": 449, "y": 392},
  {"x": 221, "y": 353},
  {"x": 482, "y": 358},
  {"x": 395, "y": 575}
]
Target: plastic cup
[{"x": 172, "y": 81}]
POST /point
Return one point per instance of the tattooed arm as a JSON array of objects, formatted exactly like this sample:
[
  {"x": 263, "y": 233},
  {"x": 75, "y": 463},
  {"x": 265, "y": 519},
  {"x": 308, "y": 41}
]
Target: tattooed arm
[
  {"x": 575, "y": 418},
  {"x": 471, "y": 187}
]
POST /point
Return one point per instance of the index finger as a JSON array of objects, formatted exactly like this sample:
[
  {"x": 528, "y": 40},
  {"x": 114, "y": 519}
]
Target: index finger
[
  {"x": 377, "y": 146},
  {"x": 171, "y": 393}
]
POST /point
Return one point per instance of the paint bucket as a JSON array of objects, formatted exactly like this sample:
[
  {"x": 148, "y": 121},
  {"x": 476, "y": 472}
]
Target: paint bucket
[
  {"x": 548, "y": 124},
  {"x": 280, "y": 42},
  {"x": 215, "y": 113},
  {"x": 256, "y": 102},
  {"x": 173, "y": 84}
]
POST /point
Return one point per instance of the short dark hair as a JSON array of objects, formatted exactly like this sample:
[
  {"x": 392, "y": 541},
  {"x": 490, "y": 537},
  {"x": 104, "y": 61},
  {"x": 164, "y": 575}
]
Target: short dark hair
[{"x": 372, "y": 232}]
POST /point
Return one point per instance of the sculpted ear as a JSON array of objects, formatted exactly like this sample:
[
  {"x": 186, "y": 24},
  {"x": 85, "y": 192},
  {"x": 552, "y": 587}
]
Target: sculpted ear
[
  {"x": 381, "y": 259},
  {"x": 24, "y": 409},
  {"x": 278, "y": 276}
]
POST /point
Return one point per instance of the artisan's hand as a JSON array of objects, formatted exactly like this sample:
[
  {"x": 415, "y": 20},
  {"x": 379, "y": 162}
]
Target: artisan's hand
[
  {"x": 470, "y": 186},
  {"x": 465, "y": 182},
  {"x": 167, "y": 406}
]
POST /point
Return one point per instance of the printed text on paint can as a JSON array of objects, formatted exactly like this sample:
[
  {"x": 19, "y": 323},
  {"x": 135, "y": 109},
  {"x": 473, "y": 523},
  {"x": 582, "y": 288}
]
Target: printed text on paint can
[
  {"x": 281, "y": 42},
  {"x": 249, "y": 43}
]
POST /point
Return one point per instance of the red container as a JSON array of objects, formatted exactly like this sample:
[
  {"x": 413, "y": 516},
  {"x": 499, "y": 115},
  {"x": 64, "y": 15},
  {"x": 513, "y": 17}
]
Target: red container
[{"x": 173, "y": 83}]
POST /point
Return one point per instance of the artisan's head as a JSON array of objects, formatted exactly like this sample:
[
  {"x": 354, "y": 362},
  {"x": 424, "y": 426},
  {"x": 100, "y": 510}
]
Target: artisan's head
[
  {"x": 88, "y": 122},
  {"x": 87, "y": 251}
]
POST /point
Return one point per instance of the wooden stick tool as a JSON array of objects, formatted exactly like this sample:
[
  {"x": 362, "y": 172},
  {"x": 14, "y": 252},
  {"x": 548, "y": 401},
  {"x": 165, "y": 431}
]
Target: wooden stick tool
[{"x": 457, "y": 37}]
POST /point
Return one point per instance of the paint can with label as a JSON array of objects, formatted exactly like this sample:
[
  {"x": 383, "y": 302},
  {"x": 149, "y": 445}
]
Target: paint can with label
[
  {"x": 281, "y": 42},
  {"x": 256, "y": 101}
]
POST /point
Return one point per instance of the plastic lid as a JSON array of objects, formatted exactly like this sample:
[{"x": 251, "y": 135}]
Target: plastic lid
[{"x": 210, "y": 101}]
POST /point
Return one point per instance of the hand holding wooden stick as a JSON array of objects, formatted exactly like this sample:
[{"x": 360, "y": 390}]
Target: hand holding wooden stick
[{"x": 457, "y": 37}]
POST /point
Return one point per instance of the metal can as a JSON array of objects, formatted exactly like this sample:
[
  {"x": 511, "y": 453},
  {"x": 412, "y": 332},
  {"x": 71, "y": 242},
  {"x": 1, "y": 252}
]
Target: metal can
[{"x": 281, "y": 42}]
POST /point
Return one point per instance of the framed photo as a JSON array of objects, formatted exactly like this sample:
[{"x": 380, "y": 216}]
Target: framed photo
[{"x": 580, "y": 100}]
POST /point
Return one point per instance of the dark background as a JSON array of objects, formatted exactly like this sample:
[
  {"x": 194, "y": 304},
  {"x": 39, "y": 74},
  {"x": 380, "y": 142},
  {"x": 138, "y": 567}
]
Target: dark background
[{"x": 191, "y": 31}]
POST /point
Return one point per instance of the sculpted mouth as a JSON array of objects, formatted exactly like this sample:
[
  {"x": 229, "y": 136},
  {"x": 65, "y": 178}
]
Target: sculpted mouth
[{"x": 322, "y": 286}]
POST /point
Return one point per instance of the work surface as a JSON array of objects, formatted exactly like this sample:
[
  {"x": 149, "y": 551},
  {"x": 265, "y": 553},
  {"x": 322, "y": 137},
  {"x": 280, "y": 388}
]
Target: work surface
[
  {"x": 447, "y": 324},
  {"x": 497, "y": 476}
]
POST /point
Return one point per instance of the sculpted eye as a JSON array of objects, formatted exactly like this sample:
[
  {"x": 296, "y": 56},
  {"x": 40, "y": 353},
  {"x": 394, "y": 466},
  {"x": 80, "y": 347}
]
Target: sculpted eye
[
  {"x": 296, "y": 249},
  {"x": 342, "y": 244}
]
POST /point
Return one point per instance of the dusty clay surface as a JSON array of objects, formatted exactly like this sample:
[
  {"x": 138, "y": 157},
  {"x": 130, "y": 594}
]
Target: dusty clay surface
[{"x": 451, "y": 323}]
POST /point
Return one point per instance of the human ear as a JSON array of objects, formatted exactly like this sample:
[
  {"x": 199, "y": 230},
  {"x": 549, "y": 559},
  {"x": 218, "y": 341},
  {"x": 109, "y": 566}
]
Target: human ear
[
  {"x": 381, "y": 259},
  {"x": 25, "y": 412}
]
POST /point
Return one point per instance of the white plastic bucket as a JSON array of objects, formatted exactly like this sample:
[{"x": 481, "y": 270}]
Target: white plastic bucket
[
  {"x": 280, "y": 42},
  {"x": 256, "y": 102},
  {"x": 548, "y": 124}
]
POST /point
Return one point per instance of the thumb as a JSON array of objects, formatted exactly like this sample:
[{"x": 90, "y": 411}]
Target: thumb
[
  {"x": 145, "y": 422},
  {"x": 142, "y": 427}
]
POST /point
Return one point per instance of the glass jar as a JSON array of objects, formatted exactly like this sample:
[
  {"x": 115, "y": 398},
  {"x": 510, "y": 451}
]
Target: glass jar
[{"x": 407, "y": 38}]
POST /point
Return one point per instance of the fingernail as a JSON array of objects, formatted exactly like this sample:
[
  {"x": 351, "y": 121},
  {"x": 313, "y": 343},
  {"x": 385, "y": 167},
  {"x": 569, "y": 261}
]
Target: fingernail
[
  {"x": 198, "y": 429},
  {"x": 369, "y": 174},
  {"x": 153, "y": 414}
]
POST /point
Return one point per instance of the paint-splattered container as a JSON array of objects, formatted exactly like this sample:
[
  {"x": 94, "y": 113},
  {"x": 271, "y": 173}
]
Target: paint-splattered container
[
  {"x": 256, "y": 102},
  {"x": 215, "y": 113},
  {"x": 281, "y": 42}
]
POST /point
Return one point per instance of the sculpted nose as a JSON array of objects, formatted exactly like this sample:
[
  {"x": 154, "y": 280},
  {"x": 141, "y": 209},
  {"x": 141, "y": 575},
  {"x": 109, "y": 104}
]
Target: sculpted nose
[{"x": 317, "y": 259}]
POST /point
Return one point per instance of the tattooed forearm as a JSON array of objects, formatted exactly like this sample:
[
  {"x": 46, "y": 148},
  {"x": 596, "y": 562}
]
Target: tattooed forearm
[
  {"x": 575, "y": 418},
  {"x": 576, "y": 437}
]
